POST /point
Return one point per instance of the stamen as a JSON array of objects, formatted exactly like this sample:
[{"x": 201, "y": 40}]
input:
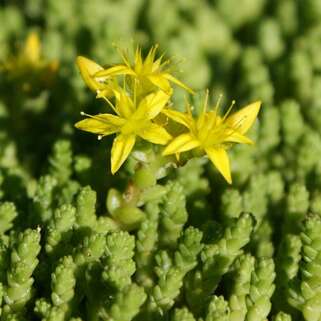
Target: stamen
[
  {"x": 153, "y": 52},
  {"x": 173, "y": 64},
  {"x": 110, "y": 104},
  {"x": 229, "y": 110},
  {"x": 100, "y": 137},
  {"x": 239, "y": 123},
  {"x": 124, "y": 83},
  {"x": 135, "y": 91},
  {"x": 188, "y": 107},
  {"x": 205, "y": 101},
  {"x": 165, "y": 62},
  {"x": 138, "y": 51},
  {"x": 217, "y": 106},
  {"x": 96, "y": 117},
  {"x": 122, "y": 55}
]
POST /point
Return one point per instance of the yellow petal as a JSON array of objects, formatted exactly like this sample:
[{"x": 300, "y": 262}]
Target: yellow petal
[
  {"x": 242, "y": 120},
  {"x": 103, "y": 124},
  {"x": 122, "y": 146},
  {"x": 220, "y": 159},
  {"x": 106, "y": 92},
  {"x": 149, "y": 60},
  {"x": 32, "y": 48},
  {"x": 159, "y": 81},
  {"x": 87, "y": 69},
  {"x": 180, "y": 144},
  {"x": 151, "y": 105},
  {"x": 114, "y": 71},
  {"x": 125, "y": 106},
  {"x": 155, "y": 134},
  {"x": 236, "y": 137},
  {"x": 178, "y": 82},
  {"x": 179, "y": 117},
  {"x": 138, "y": 60}
]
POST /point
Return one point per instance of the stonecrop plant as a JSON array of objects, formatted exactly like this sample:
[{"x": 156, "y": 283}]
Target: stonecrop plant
[
  {"x": 138, "y": 95},
  {"x": 147, "y": 224}
]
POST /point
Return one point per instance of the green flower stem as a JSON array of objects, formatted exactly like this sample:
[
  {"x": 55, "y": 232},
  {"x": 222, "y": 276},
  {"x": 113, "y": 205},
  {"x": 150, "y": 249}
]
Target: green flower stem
[{"x": 148, "y": 166}]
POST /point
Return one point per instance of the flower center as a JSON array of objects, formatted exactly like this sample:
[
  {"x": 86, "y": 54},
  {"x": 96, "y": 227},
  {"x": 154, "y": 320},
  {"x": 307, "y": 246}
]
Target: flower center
[{"x": 133, "y": 126}]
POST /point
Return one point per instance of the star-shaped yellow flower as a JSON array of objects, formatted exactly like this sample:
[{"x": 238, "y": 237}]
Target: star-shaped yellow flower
[
  {"x": 148, "y": 73},
  {"x": 213, "y": 134},
  {"x": 128, "y": 122}
]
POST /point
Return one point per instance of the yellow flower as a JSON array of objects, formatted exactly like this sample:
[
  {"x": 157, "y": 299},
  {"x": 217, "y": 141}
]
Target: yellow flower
[
  {"x": 30, "y": 55},
  {"x": 32, "y": 49},
  {"x": 213, "y": 134},
  {"x": 148, "y": 73},
  {"x": 28, "y": 64},
  {"x": 104, "y": 86},
  {"x": 128, "y": 122},
  {"x": 87, "y": 69}
]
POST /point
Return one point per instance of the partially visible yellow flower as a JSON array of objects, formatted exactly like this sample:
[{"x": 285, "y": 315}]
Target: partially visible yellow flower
[
  {"x": 32, "y": 49},
  {"x": 148, "y": 72},
  {"x": 128, "y": 122},
  {"x": 104, "y": 87},
  {"x": 30, "y": 55},
  {"x": 87, "y": 69},
  {"x": 213, "y": 134},
  {"x": 28, "y": 65}
]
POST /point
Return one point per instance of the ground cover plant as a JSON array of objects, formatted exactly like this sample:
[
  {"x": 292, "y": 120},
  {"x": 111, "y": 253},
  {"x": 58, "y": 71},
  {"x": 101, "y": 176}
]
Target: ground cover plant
[{"x": 175, "y": 215}]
